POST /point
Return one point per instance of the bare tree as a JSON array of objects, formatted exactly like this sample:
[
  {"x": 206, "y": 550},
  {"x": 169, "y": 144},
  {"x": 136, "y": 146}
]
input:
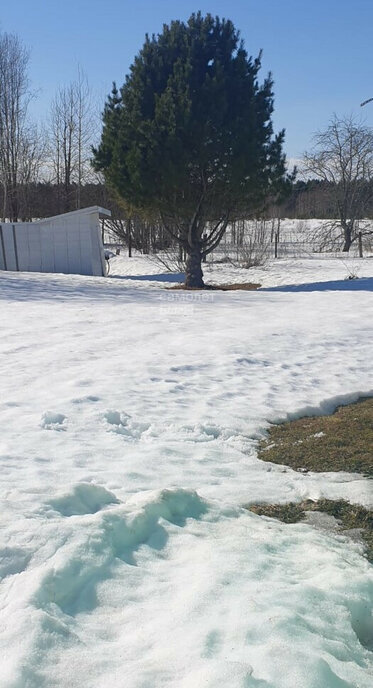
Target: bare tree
[
  {"x": 119, "y": 230},
  {"x": 86, "y": 130},
  {"x": 32, "y": 160},
  {"x": 62, "y": 129},
  {"x": 17, "y": 138},
  {"x": 343, "y": 156},
  {"x": 71, "y": 132}
]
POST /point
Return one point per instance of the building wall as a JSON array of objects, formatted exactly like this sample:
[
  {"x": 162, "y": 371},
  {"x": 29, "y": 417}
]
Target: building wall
[{"x": 68, "y": 244}]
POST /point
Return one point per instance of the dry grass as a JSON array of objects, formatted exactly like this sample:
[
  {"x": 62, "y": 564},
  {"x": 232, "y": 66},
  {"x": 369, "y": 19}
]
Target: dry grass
[
  {"x": 243, "y": 286},
  {"x": 349, "y": 516},
  {"x": 340, "y": 442}
]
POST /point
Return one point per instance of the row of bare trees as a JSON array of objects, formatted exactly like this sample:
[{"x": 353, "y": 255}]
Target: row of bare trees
[
  {"x": 19, "y": 149},
  {"x": 57, "y": 153}
]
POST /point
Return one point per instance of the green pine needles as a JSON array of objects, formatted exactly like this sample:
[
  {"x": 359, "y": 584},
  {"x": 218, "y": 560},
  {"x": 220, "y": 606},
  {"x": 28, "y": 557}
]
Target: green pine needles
[{"x": 188, "y": 139}]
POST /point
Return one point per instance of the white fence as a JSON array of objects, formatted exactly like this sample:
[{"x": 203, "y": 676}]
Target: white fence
[
  {"x": 69, "y": 243},
  {"x": 287, "y": 239}
]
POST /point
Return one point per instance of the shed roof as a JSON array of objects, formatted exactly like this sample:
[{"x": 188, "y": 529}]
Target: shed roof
[{"x": 102, "y": 212}]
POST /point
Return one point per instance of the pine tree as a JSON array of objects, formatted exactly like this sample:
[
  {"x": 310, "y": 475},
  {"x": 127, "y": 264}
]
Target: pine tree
[{"x": 189, "y": 139}]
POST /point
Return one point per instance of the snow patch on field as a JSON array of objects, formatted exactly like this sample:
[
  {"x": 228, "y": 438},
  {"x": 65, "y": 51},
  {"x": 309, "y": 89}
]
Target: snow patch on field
[
  {"x": 148, "y": 566},
  {"x": 126, "y": 556}
]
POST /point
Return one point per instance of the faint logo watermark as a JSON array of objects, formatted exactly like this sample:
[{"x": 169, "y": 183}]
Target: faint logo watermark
[{"x": 182, "y": 303}]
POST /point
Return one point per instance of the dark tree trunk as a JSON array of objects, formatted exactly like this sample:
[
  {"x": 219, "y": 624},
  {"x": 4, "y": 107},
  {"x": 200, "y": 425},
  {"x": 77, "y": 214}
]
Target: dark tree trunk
[
  {"x": 347, "y": 242},
  {"x": 193, "y": 270},
  {"x": 360, "y": 239},
  {"x": 347, "y": 235},
  {"x": 129, "y": 230}
]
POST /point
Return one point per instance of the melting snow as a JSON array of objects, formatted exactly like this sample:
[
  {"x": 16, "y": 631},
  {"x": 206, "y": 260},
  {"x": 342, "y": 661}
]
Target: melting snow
[{"x": 126, "y": 557}]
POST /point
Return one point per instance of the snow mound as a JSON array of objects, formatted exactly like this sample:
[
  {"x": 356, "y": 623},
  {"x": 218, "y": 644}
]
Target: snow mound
[
  {"x": 13, "y": 560},
  {"x": 53, "y": 421},
  {"x": 185, "y": 433},
  {"x": 325, "y": 408},
  {"x": 176, "y": 505},
  {"x": 85, "y": 498},
  {"x": 362, "y": 618},
  {"x": 76, "y": 568},
  {"x": 122, "y": 423}
]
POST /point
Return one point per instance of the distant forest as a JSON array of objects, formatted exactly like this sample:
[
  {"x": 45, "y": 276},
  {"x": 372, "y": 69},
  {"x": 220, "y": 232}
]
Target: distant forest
[{"x": 307, "y": 200}]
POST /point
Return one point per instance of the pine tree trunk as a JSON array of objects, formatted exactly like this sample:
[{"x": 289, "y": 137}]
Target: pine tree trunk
[{"x": 193, "y": 269}]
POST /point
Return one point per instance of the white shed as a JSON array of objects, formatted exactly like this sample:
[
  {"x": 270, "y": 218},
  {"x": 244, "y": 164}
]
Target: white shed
[{"x": 69, "y": 243}]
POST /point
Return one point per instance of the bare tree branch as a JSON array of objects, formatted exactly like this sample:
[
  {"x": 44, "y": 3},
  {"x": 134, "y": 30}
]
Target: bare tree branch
[{"x": 343, "y": 156}]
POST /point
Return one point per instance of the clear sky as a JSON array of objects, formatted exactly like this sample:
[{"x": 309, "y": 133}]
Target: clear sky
[{"x": 319, "y": 51}]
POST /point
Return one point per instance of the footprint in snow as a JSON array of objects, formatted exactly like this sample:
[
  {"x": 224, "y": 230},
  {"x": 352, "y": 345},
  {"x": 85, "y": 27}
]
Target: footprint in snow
[
  {"x": 213, "y": 643},
  {"x": 88, "y": 399}
]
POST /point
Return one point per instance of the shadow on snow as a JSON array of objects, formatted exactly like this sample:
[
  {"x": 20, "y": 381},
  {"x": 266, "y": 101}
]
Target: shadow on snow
[
  {"x": 361, "y": 284},
  {"x": 163, "y": 277}
]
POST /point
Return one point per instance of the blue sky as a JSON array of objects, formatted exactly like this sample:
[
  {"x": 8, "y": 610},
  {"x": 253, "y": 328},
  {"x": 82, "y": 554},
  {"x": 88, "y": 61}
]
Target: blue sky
[{"x": 319, "y": 52}]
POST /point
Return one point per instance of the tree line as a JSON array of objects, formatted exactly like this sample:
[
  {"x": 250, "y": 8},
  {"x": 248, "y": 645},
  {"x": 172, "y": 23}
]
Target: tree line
[{"x": 308, "y": 199}]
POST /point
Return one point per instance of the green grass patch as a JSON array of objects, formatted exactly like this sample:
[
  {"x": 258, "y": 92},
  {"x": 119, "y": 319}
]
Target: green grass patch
[
  {"x": 349, "y": 516},
  {"x": 342, "y": 441}
]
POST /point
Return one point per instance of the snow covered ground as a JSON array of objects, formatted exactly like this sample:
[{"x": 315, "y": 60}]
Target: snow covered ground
[{"x": 130, "y": 416}]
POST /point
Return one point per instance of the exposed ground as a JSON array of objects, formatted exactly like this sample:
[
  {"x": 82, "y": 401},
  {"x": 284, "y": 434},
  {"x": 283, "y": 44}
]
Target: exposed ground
[
  {"x": 239, "y": 286},
  {"x": 342, "y": 441},
  {"x": 349, "y": 517}
]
